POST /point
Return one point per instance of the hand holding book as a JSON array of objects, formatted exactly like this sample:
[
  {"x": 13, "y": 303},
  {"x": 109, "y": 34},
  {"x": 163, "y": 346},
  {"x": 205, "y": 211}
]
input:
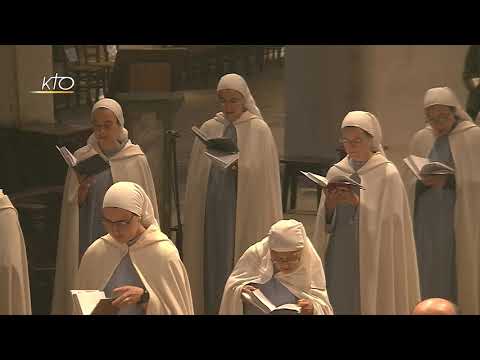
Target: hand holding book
[
  {"x": 340, "y": 195},
  {"x": 255, "y": 297},
  {"x": 435, "y": 181},
  {"x": 306, "y": 306},
  {"x": 85, "y": 183}
]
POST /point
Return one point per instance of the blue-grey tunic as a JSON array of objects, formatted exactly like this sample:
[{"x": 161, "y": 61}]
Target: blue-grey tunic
[
  {"x": 220, "y": 214},
  {"x": 434, "y": 231}
]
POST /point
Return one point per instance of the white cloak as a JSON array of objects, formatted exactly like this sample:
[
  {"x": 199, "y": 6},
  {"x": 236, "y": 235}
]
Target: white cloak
[
  {"x": 465, "y": 146},
  {"x": 130, "y": 164},
  {"x": 389, "y": 282},
  {"x": 259, "y": 202},
  {"x": 157, "y": 262},
  {"x": 14, "y": 281},
  {"x": 255, "y": 266}
]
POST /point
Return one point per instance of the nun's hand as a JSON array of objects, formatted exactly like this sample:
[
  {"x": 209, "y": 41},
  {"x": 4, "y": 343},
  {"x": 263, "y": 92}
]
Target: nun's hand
[
  {"x": 331, "y": 198},
  {"x": 248, "y": 288},
  {"x": 127, "y": 295},
  {"x": 345, "y": 195},
  {"x": 435, "y": 181},
  {"x": 306, "y": 306},
  {"x": 84, "y": 187}
]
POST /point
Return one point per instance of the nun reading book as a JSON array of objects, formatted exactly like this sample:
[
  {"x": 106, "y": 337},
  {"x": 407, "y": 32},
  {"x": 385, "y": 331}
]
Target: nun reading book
[
  {"x": 80, "y": 221},
  {"x": 227, "y": 208},
  {"x": 365, "y": 234}
]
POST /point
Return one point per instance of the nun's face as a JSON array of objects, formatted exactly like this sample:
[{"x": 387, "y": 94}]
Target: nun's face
[
  {"x": 286, "y": 261},
  {"x": 232, "y": 103},
  {"x": 440, "y": 118},
  {"x": 121, "y": 224},
  {"x": 106, "y": 128},
  {"x": 357, "y": 143}
]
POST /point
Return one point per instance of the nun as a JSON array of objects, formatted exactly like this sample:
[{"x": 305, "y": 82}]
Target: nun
[
  {"x": 366, "y": 236},
  {"x": 14, "y": 282},
  {"x": 135, "y": 263},
  {"x": 285, "y": 267},
  {"x": 226, "y": 210},
  {"x": 80, "y": 222},
  {"x": 445, "y": 206}
]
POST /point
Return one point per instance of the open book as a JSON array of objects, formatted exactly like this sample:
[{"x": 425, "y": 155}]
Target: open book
[
  {"x": 92, "y": 302},
  {"x": 423, "y": 166},
  {"x": 222, "y": 159},
  {"x": 223, "y": 144},
  {"x": 339, "y": 180},
  {"x": 258, "y": 299},
  {"x": 88, "y": 167}
]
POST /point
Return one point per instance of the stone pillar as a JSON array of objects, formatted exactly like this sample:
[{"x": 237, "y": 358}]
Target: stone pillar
[
  {"x": 8, "y": 87},
  {"x": 324, "y": 82},
  {"x": 320, "y": 89},
  {"x": 394, "y": 81},
  {"x": 33, "y": 62}
]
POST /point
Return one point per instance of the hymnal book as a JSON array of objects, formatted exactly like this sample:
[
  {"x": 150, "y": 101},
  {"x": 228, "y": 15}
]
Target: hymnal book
[
  {"x": 424, "y": 167},
  {"x": 336, "y": 181},
  {"x": 88, "y": 167},
  {"x": 258, "y": 299},
  {"x": 222, "y": 159},
  {"x": 223, "y": 144},
  {"x": 92, "y": 302}
]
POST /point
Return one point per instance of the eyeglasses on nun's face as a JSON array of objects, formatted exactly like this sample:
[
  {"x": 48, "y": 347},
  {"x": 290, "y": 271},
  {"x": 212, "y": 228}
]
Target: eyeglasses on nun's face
[
  {"x": 287, "y": 257},
  {"x": 356, "y": 141},
  {"x": 120, "y": 224}
]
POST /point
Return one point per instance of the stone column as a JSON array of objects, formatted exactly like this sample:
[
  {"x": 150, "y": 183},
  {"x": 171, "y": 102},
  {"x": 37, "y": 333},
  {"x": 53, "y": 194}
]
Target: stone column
[{"x": 33, "y": 62}]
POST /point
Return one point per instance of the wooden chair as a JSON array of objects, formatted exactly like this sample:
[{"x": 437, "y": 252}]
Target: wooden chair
[
  {"x": 87, "y": 76},
  {"x": 98, "y": 55}
]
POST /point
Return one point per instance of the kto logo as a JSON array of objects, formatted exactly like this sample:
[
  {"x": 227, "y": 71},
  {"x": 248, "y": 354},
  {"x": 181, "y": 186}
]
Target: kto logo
[{"x": 56, "y": 85}]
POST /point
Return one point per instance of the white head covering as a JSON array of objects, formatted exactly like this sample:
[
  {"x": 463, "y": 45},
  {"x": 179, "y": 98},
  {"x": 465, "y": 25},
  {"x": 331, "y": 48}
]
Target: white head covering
[
  {"x": 287, "y": 235},
  {"x": 238, "y": 83},
  {"x": 130, "y": 196},
  {"x": 445, "y": 96},
  {"x": 290, "y": 235},
  {"x": 256, "y": 266},
  {"x": 368, "y": 123},
  {"x": 114, "y": 107}
]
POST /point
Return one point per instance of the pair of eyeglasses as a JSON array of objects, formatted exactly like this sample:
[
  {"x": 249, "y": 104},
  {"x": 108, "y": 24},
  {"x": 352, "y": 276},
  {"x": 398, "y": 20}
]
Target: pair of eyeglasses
[
  {"x": 438, "y": 120},
  {"x": 292, "y": 260},
  {"x": 118, "y": 223},
  {"x": 351, "y": 142},
  {"x": 231, "y": 101},
  {"x": 97, "y": 127}
]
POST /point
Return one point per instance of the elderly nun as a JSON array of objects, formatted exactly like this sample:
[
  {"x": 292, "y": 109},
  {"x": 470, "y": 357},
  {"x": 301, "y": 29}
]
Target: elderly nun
[
  {"x": 14, "y": 282},
  {"x": 365, "y": 236},
  {"x": 285, "y": 267},
  {"x": 135, "y": 263},
  {"x": 446, "y": 206},
  {"x": 226, "y": 210},
  {"x": 80, "y": 222}
]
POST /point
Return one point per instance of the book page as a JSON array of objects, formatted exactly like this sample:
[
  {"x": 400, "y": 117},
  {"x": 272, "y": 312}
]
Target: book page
[
  {"x": 341, "y": 179},
  {"x": 261, "y": 296},
  {"x": 200, "y": 134},
  {"x": 289, "y": 307},
  {"x": 87, "y": 300},
  {"x": 437, "y": 168},
  {"x": 67, "y": 156},
  {"x": 418, "y": 162},
  {"x": 412, "y": 167},
  {"x": 224, "y": 161},
  {"x": 317, "y": 179}
]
